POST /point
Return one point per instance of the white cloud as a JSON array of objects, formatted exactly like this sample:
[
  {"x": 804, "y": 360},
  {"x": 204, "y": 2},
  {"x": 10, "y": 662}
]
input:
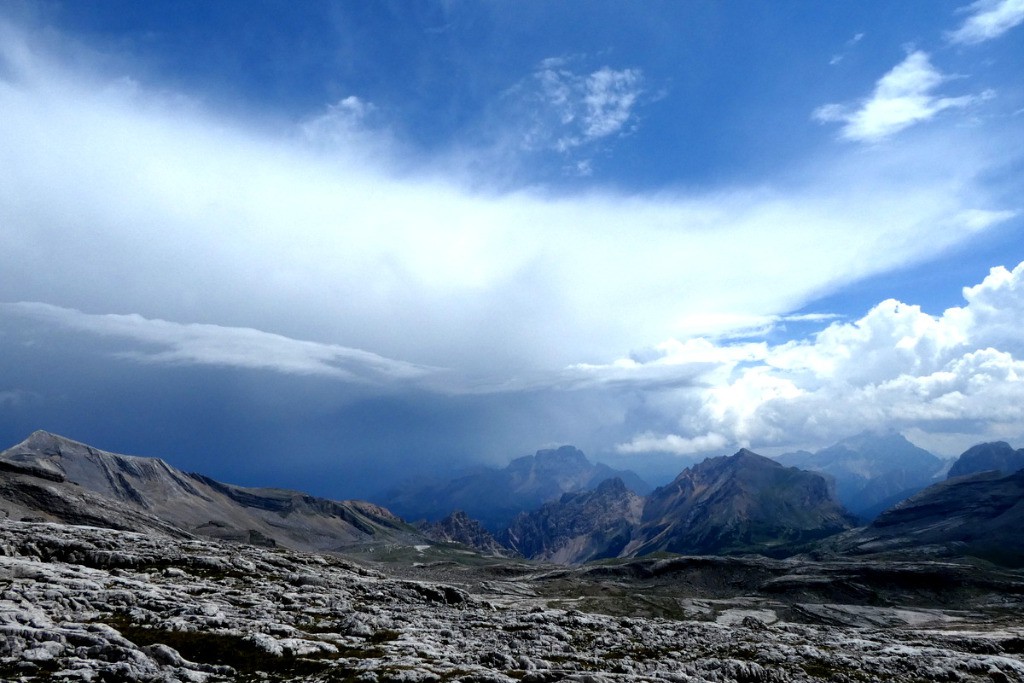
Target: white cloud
[
  {"x": 341, "y": 123},
  {"x": 115, "y": 199},
  {"x": 200, "y": 344},
  {"x": 573, "y": 110},
  {"x": 902, "y": 98},
  {"x": 958, "y": 376},
  {"x": 676, "y": 445},
  {"x": 988, "y": 19},
  {"x": 609, "y": 99}
]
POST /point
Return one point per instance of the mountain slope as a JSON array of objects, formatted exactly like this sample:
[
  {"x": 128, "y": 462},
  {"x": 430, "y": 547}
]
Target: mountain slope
[
  {"x": 998, "y": 456},
  {"x": 980, "y": 514},
  {"x": 496, "y": 496},
  {"x": 739, "y": 503},
  {"x": 51, "y": 477},
  {"x": 579, "y": 527},
  {"x": 871, "y": 471},
  {"x": 458, "y": 527}
]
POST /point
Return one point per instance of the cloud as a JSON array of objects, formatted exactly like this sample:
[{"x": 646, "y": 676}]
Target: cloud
[
  {"x": 573, "y": 110},
  {"x": 958, "y": 376},
  {"x": 676, "y": 445},
  {"x": 902, "y": 98},
  {"x": 341, "y": 124},
  {"x": 202, "y": 344},
  {"x": 836, "y": 58},
  {"x": 118, "y": 199},
  {"x": 988, "y": 19}
]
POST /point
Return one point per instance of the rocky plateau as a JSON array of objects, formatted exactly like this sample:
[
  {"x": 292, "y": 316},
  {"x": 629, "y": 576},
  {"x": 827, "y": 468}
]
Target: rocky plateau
[{"x": 87, "y": 604}]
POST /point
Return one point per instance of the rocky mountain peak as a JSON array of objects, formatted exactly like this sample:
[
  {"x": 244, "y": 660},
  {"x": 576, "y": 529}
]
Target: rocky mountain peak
[
  {"x": 734, "y": 503},
  {"x": 458, "y": 527},
  {"x": 871, "y": 470},
  {"x": 580, "y": 526},
  {"x": 997, "y": 455}
]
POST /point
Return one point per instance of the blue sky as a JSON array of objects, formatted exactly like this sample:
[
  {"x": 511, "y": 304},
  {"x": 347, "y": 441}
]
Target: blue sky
[{"x": 328, "y": 244}]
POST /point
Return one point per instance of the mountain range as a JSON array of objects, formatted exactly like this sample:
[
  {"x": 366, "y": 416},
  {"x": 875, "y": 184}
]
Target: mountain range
[
  {"x": 744, "y": 503},
  {"x": 50, "y": 478},
  {"x": 496, "y": 496},
  {"x": 871, "y": 471}
]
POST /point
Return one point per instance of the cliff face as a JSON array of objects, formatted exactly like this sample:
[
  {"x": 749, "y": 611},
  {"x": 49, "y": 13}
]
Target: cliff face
[
  {"x": 740, "y": 503},
  {"x": 458, "y": 527},
  {"x": 579, "y": 527}
]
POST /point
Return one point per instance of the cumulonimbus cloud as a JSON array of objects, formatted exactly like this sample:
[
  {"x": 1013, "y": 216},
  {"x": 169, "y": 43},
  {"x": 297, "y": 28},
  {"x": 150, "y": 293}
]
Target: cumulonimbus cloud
[{"x": 951, "y": 378}]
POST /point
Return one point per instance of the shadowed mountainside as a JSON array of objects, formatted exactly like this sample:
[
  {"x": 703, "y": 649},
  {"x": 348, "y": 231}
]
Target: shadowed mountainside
[
  {"x": 979, "y": 515},
  {"x": 740, "y": 503},
  {"x": 579, "y": 527},
  {"x": 496, "y": 496},
  {"x": 998, "y": 456},
  {"x": 460, "y": 528}
]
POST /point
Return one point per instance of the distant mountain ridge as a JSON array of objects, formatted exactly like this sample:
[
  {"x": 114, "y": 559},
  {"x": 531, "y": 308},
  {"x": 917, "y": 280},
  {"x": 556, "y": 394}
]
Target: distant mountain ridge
[
  {"x": 744, "y": 503},
  {"x": 871, "y": 471},
  {"x": 996, "y": 456},
  {"x": 460, "y": 528},
  {"x": 496, "y": 496},
  {"x": 738, "y": 504},
  {"x": 51, "y": 478}
]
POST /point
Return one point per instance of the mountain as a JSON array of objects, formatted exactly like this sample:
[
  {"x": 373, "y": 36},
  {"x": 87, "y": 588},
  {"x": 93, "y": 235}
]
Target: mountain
[
  {"x": 871, "y": 471},
  {"x": 495, "y": 496},
  {"x": 740, "y": 503},
  {"x": 579, "y": 527},
  {"x": 51, "y": 478},
  {"x": 460, "y": 528},
  {"x": 998, "y": 456},
  {"x": 980, "y": 515}
]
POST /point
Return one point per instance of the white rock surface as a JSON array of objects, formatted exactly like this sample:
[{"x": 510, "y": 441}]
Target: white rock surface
[{"x": 87, "y": 604}]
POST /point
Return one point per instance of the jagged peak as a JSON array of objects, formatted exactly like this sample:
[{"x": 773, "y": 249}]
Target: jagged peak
[
  {"x": 612, "y": 485},
  {"x": 565, "y": 453},
  {"x": 745, "y": 456}
]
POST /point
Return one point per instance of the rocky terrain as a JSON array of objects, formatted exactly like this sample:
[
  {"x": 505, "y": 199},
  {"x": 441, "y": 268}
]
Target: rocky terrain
[
  {"x": 496, "y": 496},
  {"x": 51, "y": 478},
  {"x": 87, "y": 604},
  {"x": 871, "y": 471}
]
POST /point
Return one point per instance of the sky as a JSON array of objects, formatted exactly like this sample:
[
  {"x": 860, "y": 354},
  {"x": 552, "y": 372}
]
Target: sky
[{"x": 332, "y": 246}]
